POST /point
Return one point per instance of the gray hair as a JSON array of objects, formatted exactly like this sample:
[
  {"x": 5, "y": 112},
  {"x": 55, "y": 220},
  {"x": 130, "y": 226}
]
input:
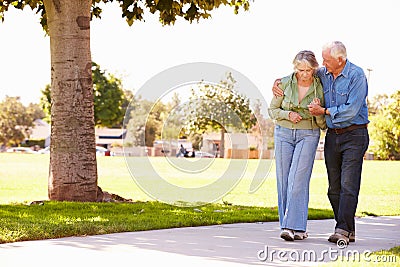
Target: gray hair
[
  {"x": 337, "y": 49},
  {"x": 306, "y": 57}
]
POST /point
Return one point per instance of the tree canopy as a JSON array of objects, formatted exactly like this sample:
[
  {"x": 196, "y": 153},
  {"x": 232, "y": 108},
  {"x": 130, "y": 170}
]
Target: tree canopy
[
  {"x": 223, "y": 107},
  {"x": 219, "y": 107},
  {"x": 167, "y": 10}
]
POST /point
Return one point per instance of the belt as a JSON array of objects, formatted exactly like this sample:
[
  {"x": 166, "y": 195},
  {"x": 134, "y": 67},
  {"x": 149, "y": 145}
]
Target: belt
[{"x": 347, "y": 129}]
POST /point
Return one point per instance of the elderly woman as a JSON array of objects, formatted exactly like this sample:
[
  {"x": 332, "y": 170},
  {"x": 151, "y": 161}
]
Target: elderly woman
[{"x": 296, "y": 139}]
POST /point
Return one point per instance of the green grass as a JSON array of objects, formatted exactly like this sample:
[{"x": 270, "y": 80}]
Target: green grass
[{"x": 23, "y": 178}]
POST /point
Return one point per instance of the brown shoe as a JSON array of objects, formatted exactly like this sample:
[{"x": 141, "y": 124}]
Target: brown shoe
[
  {"x": 300, "y": 235},
  {"x": 287, "y": 234},
  {"x": 334, "y": 238}
]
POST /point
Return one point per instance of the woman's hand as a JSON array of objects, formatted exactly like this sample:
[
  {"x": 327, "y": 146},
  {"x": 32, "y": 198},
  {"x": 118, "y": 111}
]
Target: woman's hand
[
  {"x": 294, "y": 117},
  {"x": 316, "y": 101}
]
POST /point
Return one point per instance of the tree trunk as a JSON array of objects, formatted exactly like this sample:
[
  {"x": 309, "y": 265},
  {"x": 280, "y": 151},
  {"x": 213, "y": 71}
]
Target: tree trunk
[{"x": 73, "y": 167}]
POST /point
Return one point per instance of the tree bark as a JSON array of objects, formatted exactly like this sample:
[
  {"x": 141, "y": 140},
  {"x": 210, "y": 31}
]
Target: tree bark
[{"x": 73, "y": 167}]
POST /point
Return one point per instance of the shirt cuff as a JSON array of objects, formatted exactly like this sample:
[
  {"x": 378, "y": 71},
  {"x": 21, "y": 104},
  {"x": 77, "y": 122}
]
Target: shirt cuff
[{"x": 333, "y": 111}]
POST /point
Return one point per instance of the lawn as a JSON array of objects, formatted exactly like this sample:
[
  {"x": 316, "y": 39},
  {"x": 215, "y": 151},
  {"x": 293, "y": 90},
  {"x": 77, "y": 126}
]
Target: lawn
[{"x": 23, "y": 178}]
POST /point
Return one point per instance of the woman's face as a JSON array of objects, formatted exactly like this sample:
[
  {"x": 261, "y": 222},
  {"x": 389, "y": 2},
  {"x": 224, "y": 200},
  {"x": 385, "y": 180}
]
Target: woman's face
[{"x": 304, "y": 72}]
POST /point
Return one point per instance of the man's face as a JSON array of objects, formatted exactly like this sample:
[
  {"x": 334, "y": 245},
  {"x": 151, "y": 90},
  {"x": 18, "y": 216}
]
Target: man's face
[{"x": 332, "y": 64}]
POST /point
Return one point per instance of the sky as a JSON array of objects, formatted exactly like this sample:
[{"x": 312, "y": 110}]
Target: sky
[{"x": 260, "y": 43}]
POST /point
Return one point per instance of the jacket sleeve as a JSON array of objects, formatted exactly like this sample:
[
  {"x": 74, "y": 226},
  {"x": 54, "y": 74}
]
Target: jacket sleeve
[
  {"x": 320, "y": 120},
  {"x": 275, "y": 111}
]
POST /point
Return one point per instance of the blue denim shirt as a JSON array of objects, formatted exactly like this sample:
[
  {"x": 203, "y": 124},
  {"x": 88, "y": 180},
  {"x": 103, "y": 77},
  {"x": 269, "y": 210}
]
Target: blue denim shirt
[{"x": 345, "y": 96}]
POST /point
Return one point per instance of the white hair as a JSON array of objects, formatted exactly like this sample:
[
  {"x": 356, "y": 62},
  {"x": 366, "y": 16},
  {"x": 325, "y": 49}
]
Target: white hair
[{"x": 337, "y": 49}]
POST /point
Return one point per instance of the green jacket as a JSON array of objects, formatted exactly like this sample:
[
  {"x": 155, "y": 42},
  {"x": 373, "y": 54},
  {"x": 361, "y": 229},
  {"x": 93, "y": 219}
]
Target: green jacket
[{"x": 280, "y": 107}]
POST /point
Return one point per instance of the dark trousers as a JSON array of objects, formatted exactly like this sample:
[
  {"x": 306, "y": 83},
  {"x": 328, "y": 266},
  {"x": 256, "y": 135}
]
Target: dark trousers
[{"x": 344, "y": 155}]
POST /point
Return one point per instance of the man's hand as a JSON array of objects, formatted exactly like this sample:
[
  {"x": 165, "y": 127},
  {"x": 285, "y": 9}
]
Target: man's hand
[
  {"x": 275, "y": 89},
  {"x": 316, "y": 109}
]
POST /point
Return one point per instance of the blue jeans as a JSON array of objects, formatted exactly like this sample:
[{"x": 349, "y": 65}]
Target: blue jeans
[
  {"x": 294, "y": 156},
  {"x": 344, "y": 154}
]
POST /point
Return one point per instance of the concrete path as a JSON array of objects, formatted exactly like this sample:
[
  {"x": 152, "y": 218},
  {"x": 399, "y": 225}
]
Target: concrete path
[{"x": 245, "y": 244}]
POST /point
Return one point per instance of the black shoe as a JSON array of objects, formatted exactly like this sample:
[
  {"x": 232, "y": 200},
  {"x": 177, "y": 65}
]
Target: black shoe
[{"x": 352, "y": 237}]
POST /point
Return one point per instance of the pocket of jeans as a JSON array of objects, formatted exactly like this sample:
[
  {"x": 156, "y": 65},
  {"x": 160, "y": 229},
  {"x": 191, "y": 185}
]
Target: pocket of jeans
[
  {"x": 282, "y": 132},
  {"x": 360, "y": 137}
]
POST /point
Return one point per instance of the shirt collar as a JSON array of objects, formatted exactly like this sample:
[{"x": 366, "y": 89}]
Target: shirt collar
[{"x": 345, "y": 71}]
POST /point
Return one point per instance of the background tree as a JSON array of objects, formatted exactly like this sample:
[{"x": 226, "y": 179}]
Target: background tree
[
  {"x": 219, "y": 107},
  {"x": 45, "y": 103},
  {"x": 385, "y": 129},
  {"x": 376, "y": 103},
  {"x": 172, "y": 119},
  {"x": 15, "y": 121},
  {"x": 108, "y": 98},
  {"x": 35, "y": 111},
  {"x": 73, "y": 168},
  {"x": 145, "y": 123},
  {"x": 128, "y": 98}
]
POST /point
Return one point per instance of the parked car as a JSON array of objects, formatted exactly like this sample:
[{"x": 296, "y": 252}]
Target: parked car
[
  {"x": 203, "y": 154},
  {"x": 102, "y": 151},
  {"x": 27, "y": 150},
  {"x": 45, "y": 150}
]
